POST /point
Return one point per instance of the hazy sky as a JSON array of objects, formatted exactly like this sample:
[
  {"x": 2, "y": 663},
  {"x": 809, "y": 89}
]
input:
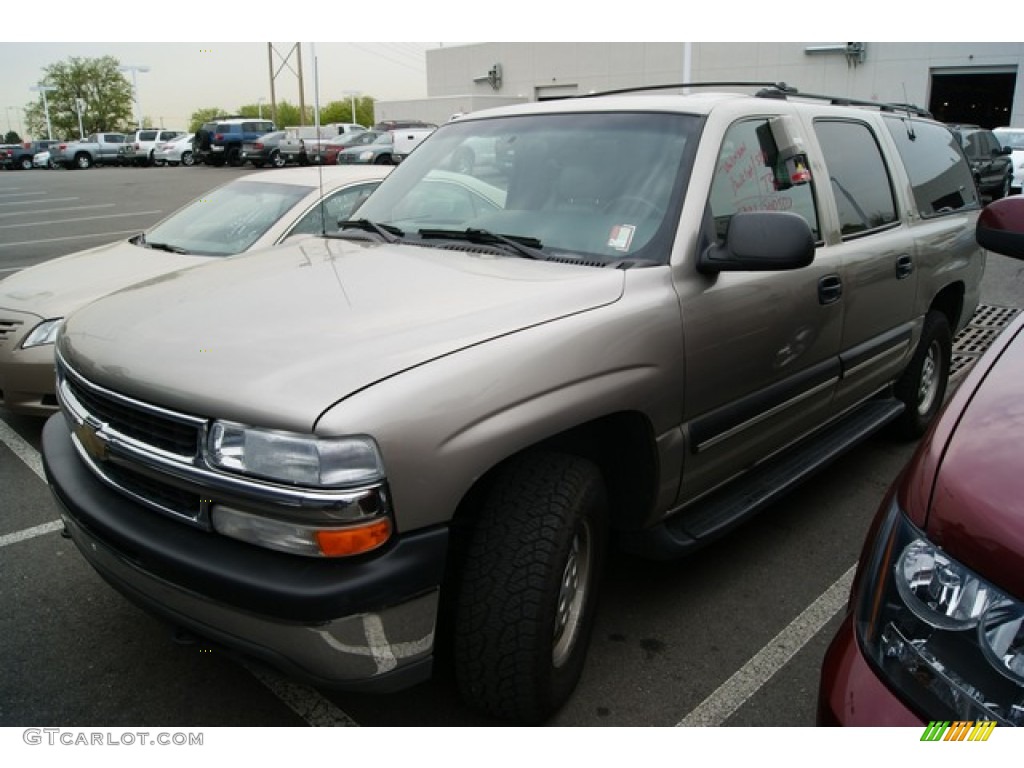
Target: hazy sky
[{"x": 183, "y": 77}]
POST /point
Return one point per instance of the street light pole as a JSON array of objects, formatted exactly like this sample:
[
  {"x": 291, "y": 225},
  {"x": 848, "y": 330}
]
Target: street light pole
[
  {"x": 135, "y": 69},
  {"x": 44, "y": 89},
  {"x": 352, "y": 95},
  {"x": 259, "y": 104}
]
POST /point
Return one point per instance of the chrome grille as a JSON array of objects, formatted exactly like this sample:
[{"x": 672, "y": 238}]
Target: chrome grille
[
  {"x": 8, "y": 331},
  {"x": 146, "y": 426}
]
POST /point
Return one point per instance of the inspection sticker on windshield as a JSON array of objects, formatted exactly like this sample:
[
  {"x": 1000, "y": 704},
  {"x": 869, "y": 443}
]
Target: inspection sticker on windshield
[{"x": 621, "y": 237}]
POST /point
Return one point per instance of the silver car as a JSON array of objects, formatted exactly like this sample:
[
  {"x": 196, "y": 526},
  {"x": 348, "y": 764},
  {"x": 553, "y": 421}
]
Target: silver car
[{"x": 253, "y": 212}]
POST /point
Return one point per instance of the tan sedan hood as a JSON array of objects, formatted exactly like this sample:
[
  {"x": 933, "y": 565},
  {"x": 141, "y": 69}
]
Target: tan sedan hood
[
  {"x": 274, "y": 338},
  {"x": 57, "y": 287}
]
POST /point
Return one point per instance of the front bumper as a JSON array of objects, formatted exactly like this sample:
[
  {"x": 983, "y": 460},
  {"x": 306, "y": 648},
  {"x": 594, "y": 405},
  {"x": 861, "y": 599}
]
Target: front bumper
[
  {"x": 28, "y": 382},
  {"x": 362, "y": 624},
  {"x": 851, "y": 694}
]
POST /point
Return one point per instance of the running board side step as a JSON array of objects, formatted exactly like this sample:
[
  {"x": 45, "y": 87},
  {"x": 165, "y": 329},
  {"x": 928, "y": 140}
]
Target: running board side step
[{"x": 700, "y": 523}]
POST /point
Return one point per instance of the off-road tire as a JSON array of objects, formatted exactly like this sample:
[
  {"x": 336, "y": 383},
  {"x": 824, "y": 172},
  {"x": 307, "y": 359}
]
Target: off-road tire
[
  {"x": 527, "y": 590},
  {"x": 922, "y": 387},
  {"x": 234, "y": 157}
]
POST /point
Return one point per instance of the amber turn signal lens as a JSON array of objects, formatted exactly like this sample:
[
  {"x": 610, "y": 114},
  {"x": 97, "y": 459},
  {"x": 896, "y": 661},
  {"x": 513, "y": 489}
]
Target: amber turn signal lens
[{"x": 345, "y": 542}]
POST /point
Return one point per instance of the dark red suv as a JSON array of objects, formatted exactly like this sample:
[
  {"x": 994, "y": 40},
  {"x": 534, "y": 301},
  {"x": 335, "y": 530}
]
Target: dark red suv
[{"x": 935, "y": 624}]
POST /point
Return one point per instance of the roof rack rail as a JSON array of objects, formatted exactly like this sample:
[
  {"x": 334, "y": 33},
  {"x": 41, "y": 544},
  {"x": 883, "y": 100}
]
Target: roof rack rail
[
  {"x": 666, "y": 86},
  {"x": 843, "y": 101},
  {"x": 768, "y": 90}
]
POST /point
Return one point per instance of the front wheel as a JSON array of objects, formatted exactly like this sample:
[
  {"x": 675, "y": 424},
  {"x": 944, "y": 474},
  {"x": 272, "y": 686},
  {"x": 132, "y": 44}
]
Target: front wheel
[
  {"x": 278, "y": 160},
  {"x": 528, "y": 587},
  {"x": 922, "y": 387}
]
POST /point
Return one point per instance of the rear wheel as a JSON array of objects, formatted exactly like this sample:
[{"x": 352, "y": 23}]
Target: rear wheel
[
  {"x": 26, "y": 163},
  {"x": 528, "y": 586},
  {"x": 278, "y": 160},
  {"x": 187, "y": 158},
  {"x": 922, "y": 386},
  {"x": 83, "y": 161},
  {"x": 234, "y": 157}
]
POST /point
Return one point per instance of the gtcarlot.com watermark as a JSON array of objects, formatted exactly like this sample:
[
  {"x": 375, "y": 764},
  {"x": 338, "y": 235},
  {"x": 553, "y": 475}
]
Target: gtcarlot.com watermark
[{"x": 56, "y": 737}]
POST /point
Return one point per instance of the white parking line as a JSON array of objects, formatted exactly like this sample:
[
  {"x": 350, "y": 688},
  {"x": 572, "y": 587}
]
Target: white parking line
[
  {"x": 303, "y": 701},
  {"x": 48, "y": 211},
  {"x": 84, "y": 218},
  {"x": 30, "y": 533},
  {"x": 745, "y": 682},
  {"x": 22, "y": 449},
  {"x": 21, "y": 194},
  {"x": 69, "y": 237},
  {"x": 36, "y": 202}
]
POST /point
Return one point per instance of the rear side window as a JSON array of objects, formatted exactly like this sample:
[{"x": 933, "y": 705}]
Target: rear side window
[
  {"x": 147, "y": 135},
  {"x": 940, "y": 178},
  {"x": 860, "y": 179}
]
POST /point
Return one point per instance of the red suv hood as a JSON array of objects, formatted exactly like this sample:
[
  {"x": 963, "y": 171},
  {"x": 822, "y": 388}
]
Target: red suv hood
[{"x": 977, "y": 510}]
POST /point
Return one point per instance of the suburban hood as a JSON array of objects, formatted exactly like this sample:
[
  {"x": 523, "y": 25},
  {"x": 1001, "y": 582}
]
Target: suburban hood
[
  {"x": 58, "y": 287},
  {"x": 977, "y": 512},
  {"x": 274, "y": 338}
]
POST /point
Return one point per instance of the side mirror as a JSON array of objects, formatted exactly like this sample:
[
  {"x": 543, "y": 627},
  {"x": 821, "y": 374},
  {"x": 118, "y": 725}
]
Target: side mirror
[
  {"x": 761, "y": 241},
  {"x": 1000, "y": 227},
  {"x": 1006, "y": 150}
]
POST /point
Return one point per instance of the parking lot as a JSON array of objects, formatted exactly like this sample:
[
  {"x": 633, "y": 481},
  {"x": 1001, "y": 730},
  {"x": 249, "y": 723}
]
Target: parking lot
[{"x": 732, "y": 636}]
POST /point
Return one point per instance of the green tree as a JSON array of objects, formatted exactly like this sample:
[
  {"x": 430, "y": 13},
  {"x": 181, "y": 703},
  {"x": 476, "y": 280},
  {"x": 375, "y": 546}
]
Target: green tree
[
  {"x": 106, "y": 95},
  {"x": 12, "y": 137},
  {"x": 204, "y": 115}
]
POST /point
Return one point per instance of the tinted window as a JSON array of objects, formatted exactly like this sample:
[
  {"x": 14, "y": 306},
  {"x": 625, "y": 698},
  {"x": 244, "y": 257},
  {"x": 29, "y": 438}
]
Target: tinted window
[
  {"x": 940, "y": 178},
  {"x": 858, "y": 174},
  {"x": 147, "y": 135},
  {"x": 745, "y": 182}
]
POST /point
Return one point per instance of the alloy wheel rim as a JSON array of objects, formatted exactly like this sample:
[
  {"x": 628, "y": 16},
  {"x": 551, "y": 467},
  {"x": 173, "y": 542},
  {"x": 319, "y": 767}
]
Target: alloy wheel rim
[{"x": 572, "y": 594}]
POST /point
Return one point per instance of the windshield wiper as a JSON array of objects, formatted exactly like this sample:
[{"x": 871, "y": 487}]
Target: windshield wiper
[
  {"x": 524, "y": 246},
  {"x": 387, "y": 232},
  {"x": 166, "y": 247}
]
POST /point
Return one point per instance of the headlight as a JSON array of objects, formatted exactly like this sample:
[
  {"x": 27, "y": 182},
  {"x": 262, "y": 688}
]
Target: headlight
[
  {"x": 294, "y": 458},
  {"x": 948, "y": 641},
  {"x": 44, "y": 333},
  {"x": 356, "y": 521}
]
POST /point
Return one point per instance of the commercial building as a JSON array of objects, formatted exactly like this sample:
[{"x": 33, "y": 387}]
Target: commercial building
[{"x": 957, "y": 82}]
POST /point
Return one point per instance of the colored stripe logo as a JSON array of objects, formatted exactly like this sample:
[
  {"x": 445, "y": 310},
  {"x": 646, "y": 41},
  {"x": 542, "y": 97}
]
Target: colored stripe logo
[{"x": 958, "y": 730}]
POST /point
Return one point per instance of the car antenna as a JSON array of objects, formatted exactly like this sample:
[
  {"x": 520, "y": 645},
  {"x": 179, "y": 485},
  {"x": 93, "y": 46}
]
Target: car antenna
[{"x": 316, "y": 133}]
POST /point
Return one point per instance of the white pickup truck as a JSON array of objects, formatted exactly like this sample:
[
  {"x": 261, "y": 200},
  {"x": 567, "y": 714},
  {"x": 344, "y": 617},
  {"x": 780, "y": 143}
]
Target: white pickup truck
[
  {"x": 303, "y": 144},
  {"x": 406, "y": 140}
]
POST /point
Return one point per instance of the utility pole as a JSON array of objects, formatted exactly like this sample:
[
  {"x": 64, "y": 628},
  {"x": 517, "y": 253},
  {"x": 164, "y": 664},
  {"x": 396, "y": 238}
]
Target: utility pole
[
  {"x": 44, "y": 89},
  {"x": 296, "y": 49},
  {"x": 135, "y": 69}
]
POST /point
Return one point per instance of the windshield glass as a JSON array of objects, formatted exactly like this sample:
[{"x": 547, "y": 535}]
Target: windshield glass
[
  {"x": 585, "y": 185},
  {"x": 1012, "y": 139},
  {"x": 228, "y": 220}
]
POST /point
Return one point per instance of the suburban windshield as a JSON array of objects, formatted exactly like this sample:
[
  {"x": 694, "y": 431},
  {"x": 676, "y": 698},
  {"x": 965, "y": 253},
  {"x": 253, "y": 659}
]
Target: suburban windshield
[
  {"x": 227, "y": 220},
  {"x": 591, "y": 186}
]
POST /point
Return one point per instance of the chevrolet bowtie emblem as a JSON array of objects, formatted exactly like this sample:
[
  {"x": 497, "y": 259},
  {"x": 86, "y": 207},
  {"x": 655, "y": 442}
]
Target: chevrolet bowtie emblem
[{"x": 91, "y": 442}]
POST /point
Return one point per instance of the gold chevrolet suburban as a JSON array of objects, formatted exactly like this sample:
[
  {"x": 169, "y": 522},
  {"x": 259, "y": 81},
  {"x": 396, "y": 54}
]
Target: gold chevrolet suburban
[{"x": 634, "y": 320}]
